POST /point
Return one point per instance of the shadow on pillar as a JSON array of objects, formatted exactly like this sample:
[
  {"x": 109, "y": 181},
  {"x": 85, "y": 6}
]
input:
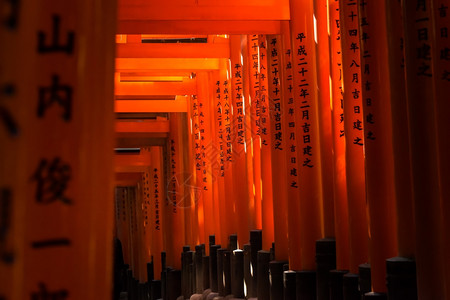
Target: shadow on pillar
[
  {"x": 325, "y": 262},
  {"x": 401, "y": 278}
]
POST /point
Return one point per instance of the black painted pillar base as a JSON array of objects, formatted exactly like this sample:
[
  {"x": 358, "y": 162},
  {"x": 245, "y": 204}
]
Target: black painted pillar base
[
  {"x": 263, "y": 282},
  {"x": 255, "y": 246},
  {"x": 336, "y": 284},
  {"x": 375, "y": 296},
  {"x": 173, "y": 284},
  {"x": 233, "y": 242},
  {"x": 365, "y": 279},
  {"x": 290, "y": 285},
  {"x": 401, "y": 278},
  {"x": 237, "y": 274},
  {"x": 155, "y": 290},
  {"x": 248, "y": 278},
  {"x": 227, "y": 272},
  {"x": 350, "y": 283},
  {"x": 220, "y": 278},
  {"x": 213, "y": 279},
  {"x": 306, "y": 285},
  {"x": 276, "y": 269},
  {"x": 187, "y": 261},
  {"x": 325, "y": 261}
]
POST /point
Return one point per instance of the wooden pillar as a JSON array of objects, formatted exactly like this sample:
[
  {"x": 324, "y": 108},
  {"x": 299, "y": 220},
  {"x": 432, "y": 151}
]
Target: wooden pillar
[
  {"x": 323, "y": 58},
  {"x": 255, "y": 113},
  {"x": 354, "y": 138},
  {"x": 291, "y": 113},
  {"x": 305, "y": 70},
  {"x": 379, "y": 159},
  {"x": 239, "y": 146},
  {"x": 157, "y": 194},
  {"x": 419, "y": 57},
  {"x": 56, "y": 199},
  {"x": 441, "y": 18},
  {"x": 266, "y": 148},
  {"x": 207, "y": 152},
  {"x": 339, "y": 168},
  {"x": 278, "y": 142},
  {"x": 400, "y": 136}
]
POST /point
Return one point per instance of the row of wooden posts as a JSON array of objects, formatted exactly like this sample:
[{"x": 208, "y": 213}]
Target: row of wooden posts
[{"x": 253, "y": 273}]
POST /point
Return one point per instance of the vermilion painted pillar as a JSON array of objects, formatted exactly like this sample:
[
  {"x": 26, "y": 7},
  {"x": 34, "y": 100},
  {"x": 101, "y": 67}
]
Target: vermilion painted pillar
[
  {"x": 324, "y": 113},
  {"x": 157, "y": 203},
  {"x": 56, "y": 199},
  {"x": 278, "y": 142},
  {"x": 207, "y": 151},
  {"x": 379, "y": 160},
  {"x": 239, "y": 147},
  {"x": 339, "y": 168},
  {"x": 354, "y": 135},
  {"x": 400, "y": 136},
  {"x": 305, "y": 92},
  {"x": 291, "y": 113},
  {"x": 421, "y": 96},
  {"x": 255, "y": 113},
  {"x": 266, "y": 142}
]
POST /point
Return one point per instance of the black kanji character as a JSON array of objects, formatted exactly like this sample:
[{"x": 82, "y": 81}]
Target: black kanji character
[
  {"x": 55, "y": 45},
  {"x": 8, "y": 121},
  {"x": 44, "y": 294},
  {"x": 5, "y": 224},
  {"x": 52, "y": 179},
  {"x": 10, "y": 16},
  {"x": 61, "y": 94}
]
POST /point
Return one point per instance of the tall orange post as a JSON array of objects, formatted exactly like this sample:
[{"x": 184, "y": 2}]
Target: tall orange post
[
  {"x": 305, "y": 70},
  {"x": 266, "y": 149},
  {"x": 157, "y": 197},
  {"x": 419, "y": 57},
  {"x": 249, "y": 154},
  {"x": 379, "y": 160},
  {"x": 441, "y": 18},
  {"x": 278, "y": 141},
  {"x": 400, "y": 136},
  {"x": 339, "y": 168},
  {"x": 56, "y": 201},
  {"x": 354, "y": 137},
  {"x": 207, "y": 151},
  {"x": 291, "y": 113},
  {"x": 324, "y": 114},
  {"x": 255, "y": 112},
  {"x": 197, "y": 194},
  {"x": 239, "y": 146}
]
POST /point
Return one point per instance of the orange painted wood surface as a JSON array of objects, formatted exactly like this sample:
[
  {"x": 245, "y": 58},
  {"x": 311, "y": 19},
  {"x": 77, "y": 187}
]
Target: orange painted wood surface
[
  {"x": 379, "y": 159},
  {"x": 423, "y": 142},
  {"x": 323, "y": 58},
  {"x": 278, "y": 146},
  {"x": 339, "y": 168},
  {"x": 255, "y": 124},
  {"x": 305, "y": 72},
  {"x": 400, "y": 136},
  {"x": 354, "y": 137},
  {"x": 239, "y": 142},
  {"x": 59, "y": 239},
  {"x": 266, "y": 149}
]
